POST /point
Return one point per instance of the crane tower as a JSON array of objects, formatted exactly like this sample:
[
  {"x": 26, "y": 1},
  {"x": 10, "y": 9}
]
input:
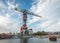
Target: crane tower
[{"x": 24, "y": 26}]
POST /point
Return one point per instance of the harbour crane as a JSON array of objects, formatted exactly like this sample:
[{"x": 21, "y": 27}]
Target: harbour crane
[{"x": 25, "y": 13}]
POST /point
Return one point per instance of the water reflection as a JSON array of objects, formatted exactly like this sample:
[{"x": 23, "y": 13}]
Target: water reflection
[
  {"x": 29, "y": 40},
  {"x": 24, "y": 40}
]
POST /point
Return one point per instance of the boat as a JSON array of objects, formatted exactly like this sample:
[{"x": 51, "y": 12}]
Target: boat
[{"x": 53, "y": 38}]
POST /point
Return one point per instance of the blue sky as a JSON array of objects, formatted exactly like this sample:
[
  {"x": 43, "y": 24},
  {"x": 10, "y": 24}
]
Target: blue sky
[{"x": 11, "y": 21}]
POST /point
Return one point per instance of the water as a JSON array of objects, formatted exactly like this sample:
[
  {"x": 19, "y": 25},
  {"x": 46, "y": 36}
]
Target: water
[{"x": 31, "y": 40}]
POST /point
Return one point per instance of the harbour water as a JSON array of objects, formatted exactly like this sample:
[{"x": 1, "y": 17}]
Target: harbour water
[{"x": 30, "y": 40}]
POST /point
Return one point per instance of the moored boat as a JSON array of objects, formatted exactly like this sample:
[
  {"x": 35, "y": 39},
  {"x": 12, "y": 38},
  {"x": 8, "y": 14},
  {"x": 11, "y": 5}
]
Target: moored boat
[{"x": 53, "y": 38}]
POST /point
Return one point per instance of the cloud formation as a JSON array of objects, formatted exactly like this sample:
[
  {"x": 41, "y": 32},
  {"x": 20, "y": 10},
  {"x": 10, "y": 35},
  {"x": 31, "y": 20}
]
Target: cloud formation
[
  {"x": 50, "y": 11},
  {"x": 9, "y": 20}
]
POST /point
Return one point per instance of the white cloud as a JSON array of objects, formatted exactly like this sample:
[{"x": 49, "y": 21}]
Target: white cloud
[
  {"x": 7, "y": 21},
  {"x": 8, "y": 25},
  {"x": 45, "y": 24},
  {"x": 55, "y": 27},
  {"x": 49, "y": 10},
  {"x": 3, "y": 20},
  {"x": 7, "y": 15},
  {"x": 11, "y": 5},
  {"x": 58, "y": 23}
]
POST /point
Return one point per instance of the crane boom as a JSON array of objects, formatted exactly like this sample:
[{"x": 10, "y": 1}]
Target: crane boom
[
  {"x": 28, "y": 13},
  {"x": 34, "y": 14}
]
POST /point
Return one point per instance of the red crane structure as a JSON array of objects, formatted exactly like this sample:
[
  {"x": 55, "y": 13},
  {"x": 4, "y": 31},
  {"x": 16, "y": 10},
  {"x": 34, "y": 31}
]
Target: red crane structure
[{"x": 25, "y": 13}]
